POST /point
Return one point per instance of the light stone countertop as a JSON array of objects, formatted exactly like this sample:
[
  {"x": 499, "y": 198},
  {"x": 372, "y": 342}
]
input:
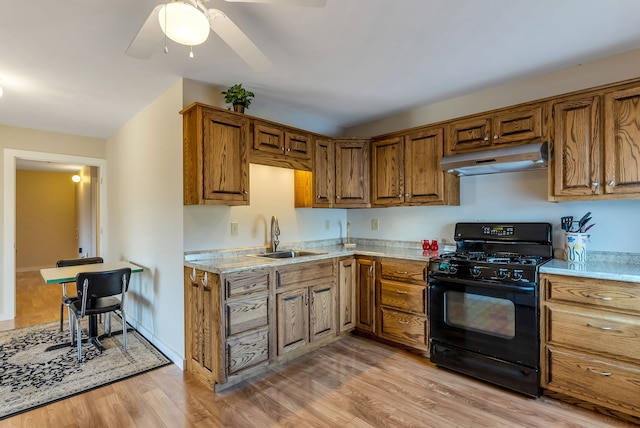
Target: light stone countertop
[
  {"x": 594, "y": 269},
  {"x": 244, "y": 259}
]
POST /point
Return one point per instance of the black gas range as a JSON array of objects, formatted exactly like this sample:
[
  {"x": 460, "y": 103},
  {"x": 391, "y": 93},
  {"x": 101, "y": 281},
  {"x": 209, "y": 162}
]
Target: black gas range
[{"x": 483, "y": 303}]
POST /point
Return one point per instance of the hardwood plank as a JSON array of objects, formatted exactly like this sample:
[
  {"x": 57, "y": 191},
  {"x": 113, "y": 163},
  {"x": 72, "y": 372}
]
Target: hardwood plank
[{"x": 354, "y": 382}]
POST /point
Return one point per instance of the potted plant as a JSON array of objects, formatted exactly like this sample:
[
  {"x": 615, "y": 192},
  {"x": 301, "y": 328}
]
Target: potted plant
[{"x": 238, "y": 96}]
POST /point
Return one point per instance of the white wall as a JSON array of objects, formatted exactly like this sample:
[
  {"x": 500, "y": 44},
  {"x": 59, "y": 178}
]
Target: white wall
[
  {"x": 515, "y": 196},
  {"x": 209, "y": 227},
  {"x": 520, "y": 196},
  {"x": 145, "y": 218}
]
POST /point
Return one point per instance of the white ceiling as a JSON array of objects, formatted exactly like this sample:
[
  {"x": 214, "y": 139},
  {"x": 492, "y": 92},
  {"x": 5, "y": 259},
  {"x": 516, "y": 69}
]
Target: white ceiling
[{"x": 63, "y": 67}]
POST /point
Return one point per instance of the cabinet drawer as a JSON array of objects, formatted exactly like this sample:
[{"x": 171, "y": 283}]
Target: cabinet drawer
[
  {"x": 594, "y": 331},
  {"x": 602, "y": 293},
  {"x": 404, "y": 328},
  {"x": 305, "y": 274},
  {"x": 247, "y": 350},
  {"x": 403, "y": 296},
  {"x": 596, "y": 379},
  {"x": 246, "y": 314},
  {"x": 403, "y": 270},
  {"x": 247, "y": 282}
]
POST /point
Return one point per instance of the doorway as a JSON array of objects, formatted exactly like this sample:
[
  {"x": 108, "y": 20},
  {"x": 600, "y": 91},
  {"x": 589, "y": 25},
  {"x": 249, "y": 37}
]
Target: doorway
[{"x": 11, "y": 158}]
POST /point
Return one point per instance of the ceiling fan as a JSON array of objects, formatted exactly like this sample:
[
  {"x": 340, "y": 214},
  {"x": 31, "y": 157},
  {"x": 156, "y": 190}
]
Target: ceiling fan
[{"x": 156, "y": 26}]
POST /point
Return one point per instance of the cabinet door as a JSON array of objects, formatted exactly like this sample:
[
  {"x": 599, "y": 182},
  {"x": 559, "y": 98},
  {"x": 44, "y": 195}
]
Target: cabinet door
[
  {"x": 424, "y": 180},
  {"x": 298, "y": 145},
  {"x": 268, "y": 139},
  {"x": 200, "y": 310},
  {"x": 365, "y": 295},
  {"x": 225, "y": 163},
  {"x": 347, "y": 294},
  {"x": 352, "y": 173},
  {"x": 321, "y": 312},
  {"x": 323, "y": 173},
  {"x": 292, "y": 313},
  {"x": 622, "y": 142},
  {"x": 469, "y": 135},
  {"x": 576, "y": 147},
  {"x": 387, "y": 172},
  {"x": 521, "y": 125}
]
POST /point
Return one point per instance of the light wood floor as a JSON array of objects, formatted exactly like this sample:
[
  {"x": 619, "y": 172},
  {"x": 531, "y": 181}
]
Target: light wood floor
[{"x": 354, "y": 382}]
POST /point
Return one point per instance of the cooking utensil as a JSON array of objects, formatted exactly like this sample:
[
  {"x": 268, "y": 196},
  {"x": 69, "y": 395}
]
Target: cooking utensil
[
  {"x": 582, "y": 223},
  {"x": 584, "y": 218},
  {"x": 589, "y": 227},
  {"x": 566, "y": 223}
]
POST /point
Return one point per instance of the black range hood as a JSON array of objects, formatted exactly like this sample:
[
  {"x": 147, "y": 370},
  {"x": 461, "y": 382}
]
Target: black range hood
[{"x": 505, "y": 159}]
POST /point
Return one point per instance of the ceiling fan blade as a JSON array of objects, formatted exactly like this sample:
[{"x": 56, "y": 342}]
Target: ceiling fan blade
[
  {"x": 309, "y": 3},
  {"x": 148, "y": 38},
  {"x": 237, "y": 40}
]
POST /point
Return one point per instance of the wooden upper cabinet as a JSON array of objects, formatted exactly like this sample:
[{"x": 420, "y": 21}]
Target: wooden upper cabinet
[
  {"x": 516, "y": 126},
  {"x": 406, "y": 171},
  {"x": 323, "y": 173},
  {"x": 622, "y": 142},
  {"x": 352, "y": 173},
  {"x": 215, "y": 164},
  {"x": 469, "y": 135},
  {"x": 280, "y": 146},
  {"x": 596, "y": 146},
  {"x": 576, "y": 147},
  {"x": 387, "y": 171}
]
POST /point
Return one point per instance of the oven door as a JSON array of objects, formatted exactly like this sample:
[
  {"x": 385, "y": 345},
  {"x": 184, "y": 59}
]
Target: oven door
[{"x": 490, "y": 318}]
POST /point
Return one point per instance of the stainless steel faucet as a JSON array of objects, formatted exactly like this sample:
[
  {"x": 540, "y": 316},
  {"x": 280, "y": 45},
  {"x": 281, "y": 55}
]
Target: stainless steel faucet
[{"x": 275, "y": 232}]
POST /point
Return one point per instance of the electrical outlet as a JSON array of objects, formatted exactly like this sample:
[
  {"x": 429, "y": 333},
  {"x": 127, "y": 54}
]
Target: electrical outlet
[
  {"x": 327, "y": 224},
  {"x": 234, "y": 228},
  {"x": 374, "y": 224}
]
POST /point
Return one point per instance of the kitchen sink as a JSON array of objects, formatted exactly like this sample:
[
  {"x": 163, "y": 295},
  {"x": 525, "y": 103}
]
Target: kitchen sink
[{"x": 287, "y": 254}]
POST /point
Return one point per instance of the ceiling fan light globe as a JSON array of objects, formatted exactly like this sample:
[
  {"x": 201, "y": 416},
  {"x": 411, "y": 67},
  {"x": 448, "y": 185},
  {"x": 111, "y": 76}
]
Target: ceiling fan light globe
[{"x": 183, "y": 23}]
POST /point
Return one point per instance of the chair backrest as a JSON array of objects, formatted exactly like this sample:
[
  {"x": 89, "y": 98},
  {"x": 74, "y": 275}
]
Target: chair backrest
[
  {"x": 79, "y": 262},
  {"x": 102, "y": 284}
]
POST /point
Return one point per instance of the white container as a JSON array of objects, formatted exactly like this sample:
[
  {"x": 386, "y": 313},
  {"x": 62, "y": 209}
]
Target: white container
[{"x": 575, "y": 247}]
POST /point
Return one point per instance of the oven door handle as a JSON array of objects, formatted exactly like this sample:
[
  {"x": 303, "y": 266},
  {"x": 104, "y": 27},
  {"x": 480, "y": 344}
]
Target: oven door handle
[{"x": 487, "y": 284}]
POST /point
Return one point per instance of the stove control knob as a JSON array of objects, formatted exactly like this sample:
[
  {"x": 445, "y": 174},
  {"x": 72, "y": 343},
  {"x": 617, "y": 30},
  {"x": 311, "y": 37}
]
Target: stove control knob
[
  {"x": 453, "y": 268},
  {"x": 517, "y": 275},
  {"x": 475, "y": 271},
  {"x": 502, "y": 273}
]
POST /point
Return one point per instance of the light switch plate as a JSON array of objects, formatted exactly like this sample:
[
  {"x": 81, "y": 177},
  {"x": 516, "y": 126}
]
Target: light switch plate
[
  {"x": 234, "y": 228},
  {"x": 374, "y": 224}
]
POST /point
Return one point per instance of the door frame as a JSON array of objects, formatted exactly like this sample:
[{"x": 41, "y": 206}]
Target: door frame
[{"x": 8, "y": 292}]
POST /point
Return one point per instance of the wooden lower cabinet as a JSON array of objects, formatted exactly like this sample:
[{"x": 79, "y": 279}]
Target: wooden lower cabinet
[
  {"x": 590, "y": 334},
  {"x": 403, "y": 303},
  {"x": 347, "y": 294},
  {"x": 227, "y": 323},
  {"x": 201, "y": 309},
  {"x": 365, "y": 295},
  {"x": 305, "y": 305}
]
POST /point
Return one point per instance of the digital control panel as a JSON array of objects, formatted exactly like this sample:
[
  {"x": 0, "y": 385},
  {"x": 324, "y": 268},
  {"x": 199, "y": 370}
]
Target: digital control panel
[{"x": 497, "y": 230}]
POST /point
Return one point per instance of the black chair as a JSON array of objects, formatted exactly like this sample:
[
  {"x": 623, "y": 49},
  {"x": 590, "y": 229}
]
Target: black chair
[
  {"x": 99, "y": 293},
  {"x": 66, "y": 299}
]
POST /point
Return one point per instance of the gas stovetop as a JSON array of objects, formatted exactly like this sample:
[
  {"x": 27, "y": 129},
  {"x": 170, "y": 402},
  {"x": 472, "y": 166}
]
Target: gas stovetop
[
  {"x": 502, "y": 252},
  {"x": 497, "y": 258}
]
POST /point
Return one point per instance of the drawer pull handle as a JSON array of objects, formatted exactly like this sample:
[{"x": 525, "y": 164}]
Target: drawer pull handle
[
  {"x": 606, "y": 299},
  {"x": 402, "y": 272},
  {"x": 598, "y": 372},
  {"x": 192, "y": 275},
  {"x": 600, "y": 328},
  {"x": 401, "y": 292},
  {"x": 403, "y": 322}
]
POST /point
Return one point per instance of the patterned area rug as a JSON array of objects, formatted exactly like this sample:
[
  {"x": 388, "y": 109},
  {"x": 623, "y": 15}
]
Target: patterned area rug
[{"x": 31, "y": 377}]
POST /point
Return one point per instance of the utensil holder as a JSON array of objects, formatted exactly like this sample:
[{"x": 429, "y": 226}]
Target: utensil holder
[{"x": 575, "y": 247}]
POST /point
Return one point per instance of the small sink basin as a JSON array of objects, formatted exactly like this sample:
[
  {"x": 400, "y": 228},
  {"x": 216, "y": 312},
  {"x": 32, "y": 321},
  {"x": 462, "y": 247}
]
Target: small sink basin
[{"x": 288, "y": 254}]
